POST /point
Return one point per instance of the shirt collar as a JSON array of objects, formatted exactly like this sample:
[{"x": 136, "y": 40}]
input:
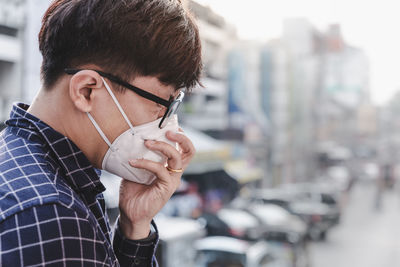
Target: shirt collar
[{"x": 79, "y": 172}]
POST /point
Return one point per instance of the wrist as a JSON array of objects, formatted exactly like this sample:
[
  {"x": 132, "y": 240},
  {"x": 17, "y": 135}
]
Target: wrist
[{"x": 134, "y": 231}]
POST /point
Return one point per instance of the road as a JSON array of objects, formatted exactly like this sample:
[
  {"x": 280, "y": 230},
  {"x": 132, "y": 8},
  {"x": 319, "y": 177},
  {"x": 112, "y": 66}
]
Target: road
[{"x": 365, "y": 237}]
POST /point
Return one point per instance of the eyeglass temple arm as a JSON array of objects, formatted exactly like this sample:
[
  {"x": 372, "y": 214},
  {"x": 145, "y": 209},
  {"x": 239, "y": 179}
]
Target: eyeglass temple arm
[{"x": 137, "y": 90}]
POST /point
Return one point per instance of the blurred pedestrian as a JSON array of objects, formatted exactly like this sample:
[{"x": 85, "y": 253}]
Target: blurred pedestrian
[
  {"x": 379, "y": 187},
  {"x": 385, "y": 181},
  {"x": 108, "y": 67},
  {"x": 388, "y": 175}
]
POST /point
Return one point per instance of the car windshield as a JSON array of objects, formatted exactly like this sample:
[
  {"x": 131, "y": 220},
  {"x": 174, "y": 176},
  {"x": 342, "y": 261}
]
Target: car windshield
[
  {"x": 237, "y": 219},
  {"x": 271, "y": 214}
]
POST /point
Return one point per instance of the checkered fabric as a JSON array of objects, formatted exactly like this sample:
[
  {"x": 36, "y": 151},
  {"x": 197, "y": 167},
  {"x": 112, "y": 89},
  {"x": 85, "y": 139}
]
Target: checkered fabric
[{"x": 52, "y": 210}]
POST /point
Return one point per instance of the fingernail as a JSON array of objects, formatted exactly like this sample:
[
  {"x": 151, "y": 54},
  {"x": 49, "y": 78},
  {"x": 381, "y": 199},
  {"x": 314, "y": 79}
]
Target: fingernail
[{"x": 133, "y": 161}]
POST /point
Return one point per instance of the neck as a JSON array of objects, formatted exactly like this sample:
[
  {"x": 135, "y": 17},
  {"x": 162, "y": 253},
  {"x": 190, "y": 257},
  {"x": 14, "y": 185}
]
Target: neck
[{"x": 57, "y": 111}]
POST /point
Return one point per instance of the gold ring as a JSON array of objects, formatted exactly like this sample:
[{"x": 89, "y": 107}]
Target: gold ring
[{"x": 174, "y": 170}]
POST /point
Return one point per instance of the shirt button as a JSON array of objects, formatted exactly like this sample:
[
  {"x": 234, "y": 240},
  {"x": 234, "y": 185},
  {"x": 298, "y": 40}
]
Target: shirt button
[{"x": 136, "y": 261}]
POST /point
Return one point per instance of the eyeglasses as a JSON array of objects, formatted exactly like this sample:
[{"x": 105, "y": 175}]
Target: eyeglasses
[{"x": 171, "y": 105}]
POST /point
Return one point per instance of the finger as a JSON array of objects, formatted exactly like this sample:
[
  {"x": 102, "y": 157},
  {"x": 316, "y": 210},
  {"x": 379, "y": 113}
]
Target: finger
[
  {"x": 179, "y": 147},
  {"x": 158, "y": 169},
  {"x": 183, "y": 141},
  {"x": 186, "y": 147},
  {"x": 173, "y": 155}
]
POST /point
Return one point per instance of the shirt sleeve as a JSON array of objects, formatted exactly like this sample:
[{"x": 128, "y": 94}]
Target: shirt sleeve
[
  {"x": 51, "y": 235},
  {"x": 138, "y": 253}
]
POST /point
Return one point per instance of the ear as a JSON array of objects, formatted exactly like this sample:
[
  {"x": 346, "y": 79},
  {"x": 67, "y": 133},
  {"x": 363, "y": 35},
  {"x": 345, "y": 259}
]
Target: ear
[{"x": 82, "y": 88}]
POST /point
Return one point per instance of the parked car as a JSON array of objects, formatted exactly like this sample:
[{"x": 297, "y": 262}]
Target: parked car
[
  {"x": 321, "y": 192},
  {"x": 245, "y": 225},
  {"x": 319, "y": 217},
  {"x": 282, "y": 226},
  {"x": 339, "y": 176},
  {"x": 177, "y": 236},
  {"x": 235, "y": 223},
  {"x": 221, "y": 251}
]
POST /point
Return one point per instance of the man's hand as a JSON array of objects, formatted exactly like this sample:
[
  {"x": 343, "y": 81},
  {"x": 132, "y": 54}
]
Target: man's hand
[{"x": 139, "y": 203}]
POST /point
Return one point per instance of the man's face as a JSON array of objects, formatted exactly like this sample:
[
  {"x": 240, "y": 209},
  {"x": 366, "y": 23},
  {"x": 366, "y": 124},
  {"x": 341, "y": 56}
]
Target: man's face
[{"x": 138, "y": 109}]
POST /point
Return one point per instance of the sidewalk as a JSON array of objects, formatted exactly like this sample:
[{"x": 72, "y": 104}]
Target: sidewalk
[{"x": 366, "y": 237}]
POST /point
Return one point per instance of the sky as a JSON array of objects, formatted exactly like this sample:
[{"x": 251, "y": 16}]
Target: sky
[{"x": 372, "y": 25}]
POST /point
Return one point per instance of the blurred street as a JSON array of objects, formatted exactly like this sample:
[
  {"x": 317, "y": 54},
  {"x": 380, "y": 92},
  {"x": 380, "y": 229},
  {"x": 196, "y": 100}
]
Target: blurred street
[{"x": 366, "y": 237}]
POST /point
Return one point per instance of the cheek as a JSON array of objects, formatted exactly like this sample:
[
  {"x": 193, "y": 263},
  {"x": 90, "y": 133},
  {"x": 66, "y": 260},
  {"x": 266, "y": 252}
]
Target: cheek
[
  {"x": 140, "y": 112},
  {"x": 106, "y": 112},
  {"x": 109, "y": 118}
]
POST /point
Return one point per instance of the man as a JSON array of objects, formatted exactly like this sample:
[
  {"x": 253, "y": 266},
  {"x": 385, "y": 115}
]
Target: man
[{"x": 108, "y": 66}]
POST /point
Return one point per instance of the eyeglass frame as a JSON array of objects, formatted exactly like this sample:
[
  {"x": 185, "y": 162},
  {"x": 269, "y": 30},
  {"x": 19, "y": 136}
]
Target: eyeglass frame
[{"x": 168, "y": 104}]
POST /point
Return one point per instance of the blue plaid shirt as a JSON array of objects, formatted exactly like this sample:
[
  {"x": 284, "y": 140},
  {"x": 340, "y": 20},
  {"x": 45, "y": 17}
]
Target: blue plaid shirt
[{"x": 52, "y": 210}]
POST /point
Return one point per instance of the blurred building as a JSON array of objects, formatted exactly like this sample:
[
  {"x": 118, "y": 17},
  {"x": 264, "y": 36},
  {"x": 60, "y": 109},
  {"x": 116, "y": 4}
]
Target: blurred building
[
  {"x": 32, "y": 57},
  {"x": 346, "y": 70},
  {"x": 344, "y": 93},
  {"x": 207, "y": 108},
  {"x": 303, "y": 77},
  {"x": 388, "y": 130},
  {"x": 20, "y": 58},
  {"x": 245, "y": 102},
  {"x": 245, "y": 91},
  {"x": 275, "y": 95},
  {"x": 229, "y": 106},
  {"x": 367, "y": 121},
  {"x": 12, "y": 18},
  {"x": 314, "y": 89},
  {"x": 290, "y": 70}
]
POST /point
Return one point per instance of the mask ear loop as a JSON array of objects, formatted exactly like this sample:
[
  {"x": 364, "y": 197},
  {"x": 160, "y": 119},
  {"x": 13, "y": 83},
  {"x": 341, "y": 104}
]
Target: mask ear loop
[
  {"x": 118, "y": 105},
  {"x": 99, "y": 130}
]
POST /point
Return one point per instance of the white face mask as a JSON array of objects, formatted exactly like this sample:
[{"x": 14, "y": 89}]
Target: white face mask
[{"x": 130, "y": 145}]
